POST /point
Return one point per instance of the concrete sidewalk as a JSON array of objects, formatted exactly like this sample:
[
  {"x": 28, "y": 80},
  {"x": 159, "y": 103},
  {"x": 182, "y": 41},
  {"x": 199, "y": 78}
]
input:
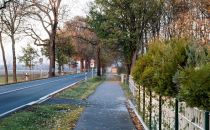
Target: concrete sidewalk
[{"x": 107, "y": 110}]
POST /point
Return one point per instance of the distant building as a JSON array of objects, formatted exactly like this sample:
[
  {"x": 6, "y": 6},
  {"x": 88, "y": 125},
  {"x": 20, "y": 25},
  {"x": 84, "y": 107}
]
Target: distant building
[{"x": 114, "y": 70}]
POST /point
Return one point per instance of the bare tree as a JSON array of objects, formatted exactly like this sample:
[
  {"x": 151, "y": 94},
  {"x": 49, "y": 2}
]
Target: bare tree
[
  {"x": 12, "y": 18},
  {"x": 190, "y": 18},
  {"x": 47, "y": 13},
  {"x": 4, "y": 3}
]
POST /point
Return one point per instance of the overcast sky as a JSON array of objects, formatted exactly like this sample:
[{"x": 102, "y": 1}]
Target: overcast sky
[{"x": 77, "y": 8}]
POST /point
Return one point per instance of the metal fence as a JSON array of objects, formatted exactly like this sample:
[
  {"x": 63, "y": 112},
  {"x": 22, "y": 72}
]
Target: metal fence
[
  {"x": 188, "y": 118},
  {"x": 133, "y": 86}
]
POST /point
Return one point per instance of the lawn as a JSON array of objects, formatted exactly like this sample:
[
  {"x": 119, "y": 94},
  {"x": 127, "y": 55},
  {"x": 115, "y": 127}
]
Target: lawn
[
  {"x": 52, "y": 117},
  {"x": 19, "y": 78},
  {"x": 81, "y": 91},
  {"x": 43, "y": 117},
  {"x": 126, "y": 90}
]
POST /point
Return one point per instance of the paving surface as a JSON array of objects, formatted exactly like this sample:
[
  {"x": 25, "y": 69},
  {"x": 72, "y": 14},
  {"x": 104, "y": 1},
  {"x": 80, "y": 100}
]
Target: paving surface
[{"x": 107, "y": 110}]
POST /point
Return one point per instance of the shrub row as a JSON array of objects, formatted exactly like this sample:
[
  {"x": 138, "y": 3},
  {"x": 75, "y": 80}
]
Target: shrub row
[{"x": 176, "y": 68}]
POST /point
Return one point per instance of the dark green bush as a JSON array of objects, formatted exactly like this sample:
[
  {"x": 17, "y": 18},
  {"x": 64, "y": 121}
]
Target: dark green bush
[
  {"x": 195, "y": 86},
  {"x": 156, "y": 69},
  {"x": 178, "y": 67}
]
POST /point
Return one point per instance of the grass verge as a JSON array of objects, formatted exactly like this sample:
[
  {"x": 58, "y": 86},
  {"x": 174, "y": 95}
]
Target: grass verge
[
  {"x": 81, "y": 91},
  {"x": 126, "y": 90},
  {"x": 20, "y": 78},
  {"x": 52, "y": 117},
  {"x": 43, "y": 117},
  {"x": 133, "y": 116},
  {"x": 10, "y": 78}
]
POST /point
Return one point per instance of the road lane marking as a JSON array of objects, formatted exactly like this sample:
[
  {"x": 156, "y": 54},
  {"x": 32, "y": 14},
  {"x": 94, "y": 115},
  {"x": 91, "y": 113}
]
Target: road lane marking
[
  {"x": 33, "y": 86},
  {"x": 28, "y": 87},
  {"x": 40, "y": 100}
]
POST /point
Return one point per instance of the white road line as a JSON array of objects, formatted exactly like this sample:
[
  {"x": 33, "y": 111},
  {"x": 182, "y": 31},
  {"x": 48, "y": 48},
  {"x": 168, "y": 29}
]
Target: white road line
[
  {"x": 15, "y": 109},
  {"x": 42, "y": 99},
  {"x": 31, "y": 86}
]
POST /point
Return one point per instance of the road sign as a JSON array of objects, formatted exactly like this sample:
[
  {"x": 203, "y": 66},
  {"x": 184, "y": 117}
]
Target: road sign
[{"x": 92, "y": 63}]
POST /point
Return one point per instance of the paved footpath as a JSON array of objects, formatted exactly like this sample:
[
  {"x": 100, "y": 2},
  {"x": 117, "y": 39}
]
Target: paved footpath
[{"x": 107, "y": 110}]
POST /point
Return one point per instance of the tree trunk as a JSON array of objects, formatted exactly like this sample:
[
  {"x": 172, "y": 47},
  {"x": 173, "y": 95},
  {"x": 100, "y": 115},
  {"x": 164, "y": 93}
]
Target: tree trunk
[
  {"x": 134, "y": 58},
  {"x": 59, "y": 69},
  {"x": 62, "y": 68},
  {"x": 98, "y": 61},
  {"x": 14, "y": 59},
  {"x": 52, "y": 56},
  {"x": 87, "y": 65},
  {"x": 103, "y": 69},
  {"x": 4, "y": 60},
  {"x": 81, "y": 65},
  {"x": 52, "y": 44},
  {"x": 128, "y": 66}
]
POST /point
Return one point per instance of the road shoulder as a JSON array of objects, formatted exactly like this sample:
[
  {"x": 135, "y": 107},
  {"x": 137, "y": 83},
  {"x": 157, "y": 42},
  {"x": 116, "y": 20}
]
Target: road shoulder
[{"x": 60, "y": 112}]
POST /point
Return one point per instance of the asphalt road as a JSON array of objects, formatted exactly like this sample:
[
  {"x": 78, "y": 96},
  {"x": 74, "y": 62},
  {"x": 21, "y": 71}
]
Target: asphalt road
[{"x": 16, "y": 96}]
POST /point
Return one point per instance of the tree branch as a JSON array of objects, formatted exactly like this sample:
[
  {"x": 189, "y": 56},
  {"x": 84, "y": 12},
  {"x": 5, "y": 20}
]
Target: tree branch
[
  {"x": 37, "y": 39},
  {"x": 4, "y": 4}
]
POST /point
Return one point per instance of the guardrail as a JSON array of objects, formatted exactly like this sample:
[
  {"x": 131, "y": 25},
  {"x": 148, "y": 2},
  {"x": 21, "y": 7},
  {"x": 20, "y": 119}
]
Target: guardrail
[{"x": 188, "y": 118}]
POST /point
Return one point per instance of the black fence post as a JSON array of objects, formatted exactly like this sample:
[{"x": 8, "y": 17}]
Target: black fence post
[
  {"x": 160, "y": 112},
  {"x": 176, "y": 114},
  {"x": 206, "y": 120},
  {"x": 150, "y": 109},
  {"x": 139, "y": 108},
  {"x": 144, "y": 105}
]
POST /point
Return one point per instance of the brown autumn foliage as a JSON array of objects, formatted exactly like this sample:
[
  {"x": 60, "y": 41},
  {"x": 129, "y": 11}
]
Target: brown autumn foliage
[
  {"x": 83, "y": 40},
  {"x": 189, "y": 19}
]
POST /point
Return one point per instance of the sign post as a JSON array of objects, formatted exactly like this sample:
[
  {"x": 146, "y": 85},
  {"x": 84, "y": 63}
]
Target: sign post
[{"x": 92, "y": 65}]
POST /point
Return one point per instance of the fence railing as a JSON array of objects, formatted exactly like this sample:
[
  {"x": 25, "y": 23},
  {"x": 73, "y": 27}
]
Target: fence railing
[
  {"x": 148, "y": 107},
  {"x": 133, "y": 86}
]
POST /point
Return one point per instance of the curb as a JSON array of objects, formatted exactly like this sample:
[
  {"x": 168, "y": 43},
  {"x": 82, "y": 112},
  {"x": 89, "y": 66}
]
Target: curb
[{"x": 137, "y": 114}]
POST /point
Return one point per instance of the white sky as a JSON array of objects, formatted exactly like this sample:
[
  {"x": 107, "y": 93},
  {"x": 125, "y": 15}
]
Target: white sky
[{"x": 77, "y": 8}]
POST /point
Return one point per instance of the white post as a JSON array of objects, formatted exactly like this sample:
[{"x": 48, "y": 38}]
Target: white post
[
  {"x": 92, "y": 72},
  {"x": 85, "y": 76},
  {"x": 92, "y": 65},
  {"x": 26, "y": 76},
  {"x": 41, "y": 72},
  {"x": 122, "y": 78}
]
